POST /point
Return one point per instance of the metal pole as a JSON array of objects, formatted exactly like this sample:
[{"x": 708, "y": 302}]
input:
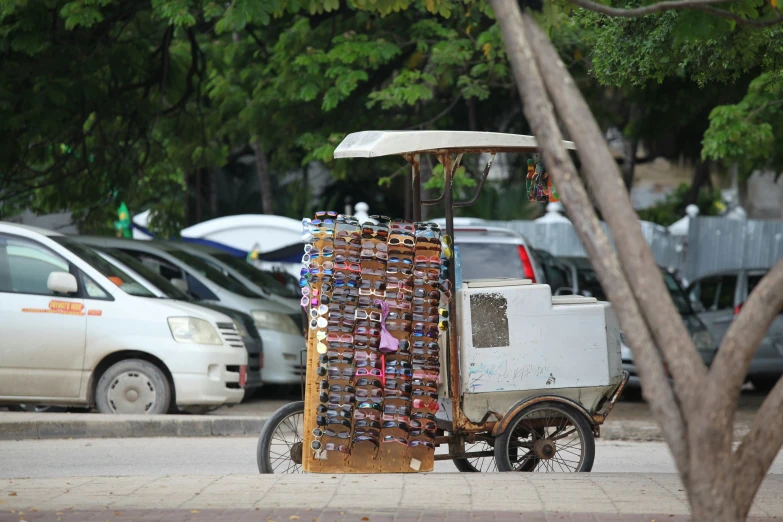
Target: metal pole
[{"x": 416, "y": 181}]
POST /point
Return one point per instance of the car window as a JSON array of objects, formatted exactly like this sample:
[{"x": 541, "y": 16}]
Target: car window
[
  {"x": 706, "y": 292},
  {"x": 262, "y": 278},
  {"x": 25, "y": 266},
  {"x": 490, "y": 260},
  {"x": 728, "y": 285},
  {"x": 123, "y": 280},
  {"x": 753, "y": 281},
  {"x": 92, "y": 288},
  {"x": 213, "y": 274},
  {"x": 589, "y": 284},
  {"x": 679, "y": 297},
  {"x": 556, "y": 277},
  {"x": 170, "y": 272},
  {"x": 153, "y": 276}
]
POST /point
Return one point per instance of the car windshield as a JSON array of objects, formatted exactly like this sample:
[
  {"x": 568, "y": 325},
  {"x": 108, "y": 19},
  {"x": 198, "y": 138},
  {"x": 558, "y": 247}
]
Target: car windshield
[
  {"x": 588, "y": 280},
  {"x": 157, "y": 280},
  {"x": 262, "y": 278},
  {"x": 489, "y": 261},
  {"x": 211, "y": 273},
  {"x": 125, "y": 282},
  {"x": 679, "y": 296}
]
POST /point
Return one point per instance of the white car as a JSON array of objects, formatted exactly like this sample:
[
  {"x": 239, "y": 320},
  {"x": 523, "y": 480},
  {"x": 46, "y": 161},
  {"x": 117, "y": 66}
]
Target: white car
[
  {"x": 76, "y": 330},
  {"x": 279, "y": 324}
]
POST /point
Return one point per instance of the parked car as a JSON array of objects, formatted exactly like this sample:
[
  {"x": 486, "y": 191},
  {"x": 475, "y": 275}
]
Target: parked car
[
  {"x": 238, "y": 269},
  {"x": 76, "y": 330},
  {"x": 719, "y": 297},
  {"x": 162, "y": 288},
  {"x": 493, "y": 252},
  {"x": 556, "y": 273},
  {"x": 584, "y": 281},
  {"x": 280, "y": 326}
]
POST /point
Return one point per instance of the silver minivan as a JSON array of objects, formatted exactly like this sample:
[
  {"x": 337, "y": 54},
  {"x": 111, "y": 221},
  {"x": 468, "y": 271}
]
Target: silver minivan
[
  {"x": 280, "y": 325},
  {"x": 259, "y": 281},
  {"x": 718, "y": 298}
]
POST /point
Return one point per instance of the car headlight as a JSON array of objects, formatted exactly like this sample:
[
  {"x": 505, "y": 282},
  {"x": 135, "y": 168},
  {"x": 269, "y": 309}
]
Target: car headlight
[
  {"x": 241, "y": 330},
  {"x": 192, "y": 330},
  {"x": 273, "y": 321},
  {"x": 703, "y": 340}
]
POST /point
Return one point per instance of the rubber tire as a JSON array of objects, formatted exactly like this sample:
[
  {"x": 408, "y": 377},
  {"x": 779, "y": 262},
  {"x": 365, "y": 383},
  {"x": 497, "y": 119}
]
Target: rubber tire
[
  {"x": 502, "y": 441},
  {"x": 464, "y": 466},
  {"x": 763, "y": 384},
  {"x": 153, "y": 373},
  {"x": 265, "y": 438},
  {"x": 35, "y": 408}
]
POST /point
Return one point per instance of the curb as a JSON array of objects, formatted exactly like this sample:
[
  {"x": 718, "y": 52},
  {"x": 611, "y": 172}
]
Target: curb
[{"x": 26, "y": 426}]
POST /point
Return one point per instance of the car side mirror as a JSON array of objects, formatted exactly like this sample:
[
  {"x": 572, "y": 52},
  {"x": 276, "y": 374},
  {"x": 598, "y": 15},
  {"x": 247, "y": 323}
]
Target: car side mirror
[
  {"x": 564, "y": 290},
  {"x": 179, "y": 284},
  {"x": 62, "y": 283}
]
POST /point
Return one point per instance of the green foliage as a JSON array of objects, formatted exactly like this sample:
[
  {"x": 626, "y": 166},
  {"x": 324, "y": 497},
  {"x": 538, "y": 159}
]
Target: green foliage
[
  {"x": 749, "y": 133},
  {"x": 672, "y": 208}
]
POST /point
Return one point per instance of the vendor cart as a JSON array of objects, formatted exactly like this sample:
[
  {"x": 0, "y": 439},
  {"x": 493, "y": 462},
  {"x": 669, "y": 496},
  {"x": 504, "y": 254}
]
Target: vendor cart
[{"x": 526, "y": 379}]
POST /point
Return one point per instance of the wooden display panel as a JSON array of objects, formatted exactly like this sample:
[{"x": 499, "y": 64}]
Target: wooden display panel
[{"x": 391, "y": 458}]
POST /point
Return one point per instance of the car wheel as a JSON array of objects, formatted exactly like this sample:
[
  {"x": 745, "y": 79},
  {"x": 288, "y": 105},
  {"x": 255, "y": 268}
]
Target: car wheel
[
  {"x": 133, "y": 386},
  {"x": 763, "y": 384},
  {"x": 35, "y": 408}
]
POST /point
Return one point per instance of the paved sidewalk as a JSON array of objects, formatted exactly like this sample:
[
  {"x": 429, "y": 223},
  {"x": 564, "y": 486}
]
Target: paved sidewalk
[
  {"x": 450, "y": 496},
  {"x": 23, "y": 426}
]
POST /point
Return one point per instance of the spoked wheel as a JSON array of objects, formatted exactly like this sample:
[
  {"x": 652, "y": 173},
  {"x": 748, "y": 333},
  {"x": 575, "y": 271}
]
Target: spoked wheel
[
  {"x": 280, "y": 443},
  {"x": 478, "y": 464},
  {"x": 547, "y": 437}
]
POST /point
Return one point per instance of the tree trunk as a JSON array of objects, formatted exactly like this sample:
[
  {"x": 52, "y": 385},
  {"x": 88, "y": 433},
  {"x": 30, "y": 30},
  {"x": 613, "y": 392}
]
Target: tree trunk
[
  {"x": 199, "y": 215},
  {"x": 472, "y": 120},
  {"x": 701, "y": 175},
  {"x": 264, "y": 181},
  {"x": 696, "y": 416},
  {"x": 630, "y": 148}
]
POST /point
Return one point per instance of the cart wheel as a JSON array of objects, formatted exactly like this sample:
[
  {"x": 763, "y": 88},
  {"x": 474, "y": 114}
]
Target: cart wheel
[
  {"x": 546, "y": 437},
  {"x": 478, "y": 464},
  {"x": 280, "y": 443}
]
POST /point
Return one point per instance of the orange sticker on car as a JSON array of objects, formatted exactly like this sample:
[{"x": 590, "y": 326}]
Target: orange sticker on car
[
  {"x": 95, "y": 312},
  {"x": 58, "y": 307}
]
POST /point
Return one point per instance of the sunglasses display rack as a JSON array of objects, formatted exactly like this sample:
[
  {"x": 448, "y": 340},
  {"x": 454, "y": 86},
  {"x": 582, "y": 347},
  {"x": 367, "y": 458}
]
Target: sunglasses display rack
[{"x": 373, "y": 295}]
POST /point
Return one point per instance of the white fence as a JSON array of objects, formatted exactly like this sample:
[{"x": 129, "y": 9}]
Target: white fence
[{"x": 713, "y": 244}]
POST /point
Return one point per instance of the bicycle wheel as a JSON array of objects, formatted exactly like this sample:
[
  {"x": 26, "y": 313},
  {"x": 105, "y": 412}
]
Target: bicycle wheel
[
  {"x": 547, "y": 437},
  {"x": 280, "y": 443}
]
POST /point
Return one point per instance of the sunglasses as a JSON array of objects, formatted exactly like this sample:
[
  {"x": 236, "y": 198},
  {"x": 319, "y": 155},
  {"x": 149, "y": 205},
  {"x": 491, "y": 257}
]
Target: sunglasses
[
  {"x": 368, "y": 405},
  {"x": 337, "y": 372},
  {"x": 369, "y": 415},
  {"x": 322, "y": 420},
  {"x": 369, "y": 382},
  {"x": 419, "y": 443},
  {"x": 366, "y": 438},
  {"x": 364, "y": 372},
  {"x": 402, "y": 241}
]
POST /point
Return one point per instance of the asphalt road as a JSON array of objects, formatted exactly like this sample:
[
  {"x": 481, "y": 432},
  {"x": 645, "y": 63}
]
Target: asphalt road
[{"x": 228, "y": 455}]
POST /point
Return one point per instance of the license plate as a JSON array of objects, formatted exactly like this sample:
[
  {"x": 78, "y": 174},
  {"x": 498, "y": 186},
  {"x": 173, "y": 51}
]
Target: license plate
[{"x": 243, "y": 375}]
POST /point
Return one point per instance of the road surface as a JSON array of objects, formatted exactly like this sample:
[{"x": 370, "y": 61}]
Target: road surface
[{"x": 229, "y": 455}]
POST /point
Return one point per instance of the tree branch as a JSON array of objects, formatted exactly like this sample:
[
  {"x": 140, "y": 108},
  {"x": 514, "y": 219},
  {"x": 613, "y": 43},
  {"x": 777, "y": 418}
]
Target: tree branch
[
  {"x": 738, "y": 347},
  {"x": 601, "y": 169},
  {"x": 758, "y": 449},
  {"x": 699, "y": 5},
  {"x": 539, "y": 113},
  {"x": 437, "y": 116}
]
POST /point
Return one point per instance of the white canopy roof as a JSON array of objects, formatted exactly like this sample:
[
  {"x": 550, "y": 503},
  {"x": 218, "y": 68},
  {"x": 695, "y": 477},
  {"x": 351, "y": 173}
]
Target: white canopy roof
[{"x": 370, "y": 144}]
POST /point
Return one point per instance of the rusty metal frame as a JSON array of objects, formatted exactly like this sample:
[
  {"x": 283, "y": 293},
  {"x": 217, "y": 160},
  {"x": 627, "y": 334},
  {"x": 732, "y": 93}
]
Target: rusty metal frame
[
  {"x": 475, "y": 197},
  {"x": 600, "y": 417},
  {"x": 461, "y": 427}
]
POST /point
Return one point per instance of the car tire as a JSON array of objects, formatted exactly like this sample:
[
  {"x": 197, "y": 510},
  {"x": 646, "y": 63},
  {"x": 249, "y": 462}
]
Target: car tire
[
  {"x": 133, "y": 386},
  {"x": 764, "y": 384}
]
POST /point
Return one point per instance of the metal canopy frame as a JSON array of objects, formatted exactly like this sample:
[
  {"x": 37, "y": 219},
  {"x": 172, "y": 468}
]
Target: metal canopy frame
[{"x": 443, "y": 144}]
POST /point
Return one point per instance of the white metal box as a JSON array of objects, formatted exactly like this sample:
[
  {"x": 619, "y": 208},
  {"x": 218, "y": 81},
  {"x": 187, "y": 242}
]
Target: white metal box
[{"x": 516, "y": 341}]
